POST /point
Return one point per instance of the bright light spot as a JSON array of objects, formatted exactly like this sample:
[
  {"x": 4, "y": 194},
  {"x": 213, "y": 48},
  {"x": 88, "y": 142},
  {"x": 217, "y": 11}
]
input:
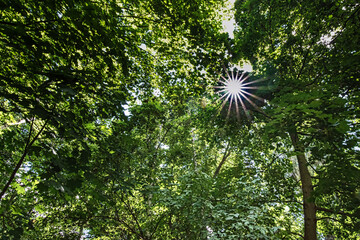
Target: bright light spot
[
  {"x": 126, "y": 110},
  {"x": 233, "y": 86},
  {"x": 229, "y": 26},
  {"x": 164, "y": 146},
  {"x": 235, "y": 89},
  {"x": 246, "y": 67},
  {"x": 143, "y": 46},
  {"x": 156, "y": 92},
  {"x": 138, "y": 101},
  {"x": 286, "y": 209},
  {"x": 327, "y": 39},
  {"x": 229, "y": 23},
  {"x": 163, "y": 165}
]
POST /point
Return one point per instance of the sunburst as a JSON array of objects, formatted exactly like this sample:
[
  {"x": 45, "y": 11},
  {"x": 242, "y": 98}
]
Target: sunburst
[{"x": 235, "y": 89}]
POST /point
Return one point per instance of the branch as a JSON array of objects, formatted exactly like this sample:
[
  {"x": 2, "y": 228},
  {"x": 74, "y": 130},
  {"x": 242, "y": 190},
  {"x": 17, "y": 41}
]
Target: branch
[
  {"x": 302, "y": 65},
  {"x": 157, "y": 225},
  {"x": 163, "y": 137},
  {"x": 8, "y": 23},
  {"x": 134, "y": 217},
  {"x": 121, "y": 221},
  {"x": 305, "y": 134},
  {"x": 13, "y": 124},
  {"x": 343, "y": 28},
  {"x": 28, "y": 24},
  {"x": 226, "y": 155},
  {"x": 335, "y": 212},
  {"x": 327, "y": 218},
  {"x": 288, "y": 201},
  {"x": 26, "y": 149}
]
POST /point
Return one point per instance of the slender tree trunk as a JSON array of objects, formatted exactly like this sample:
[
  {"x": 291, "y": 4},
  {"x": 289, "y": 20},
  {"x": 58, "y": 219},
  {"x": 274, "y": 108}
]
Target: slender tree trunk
[{"x": 307, "y": 188}]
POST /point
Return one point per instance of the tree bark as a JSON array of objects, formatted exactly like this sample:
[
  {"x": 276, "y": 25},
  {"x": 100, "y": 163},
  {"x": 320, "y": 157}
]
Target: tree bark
[{"x": 307, "y": 188}]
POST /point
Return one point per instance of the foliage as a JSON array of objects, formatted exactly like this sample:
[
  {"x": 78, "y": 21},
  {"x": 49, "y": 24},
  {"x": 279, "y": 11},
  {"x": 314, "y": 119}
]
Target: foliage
[
  {"x": 109, "y": 129},
  {"x": 307, "y": 47}
]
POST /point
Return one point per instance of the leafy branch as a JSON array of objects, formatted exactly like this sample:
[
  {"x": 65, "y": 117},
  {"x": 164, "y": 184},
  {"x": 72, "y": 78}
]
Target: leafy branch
[
  {"x": 335, "y": 212},
  {"x": 28, "y": 144}
]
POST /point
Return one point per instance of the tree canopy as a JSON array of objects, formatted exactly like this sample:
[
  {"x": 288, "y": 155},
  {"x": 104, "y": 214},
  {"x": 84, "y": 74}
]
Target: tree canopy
[{"x": 111, "y": 128}]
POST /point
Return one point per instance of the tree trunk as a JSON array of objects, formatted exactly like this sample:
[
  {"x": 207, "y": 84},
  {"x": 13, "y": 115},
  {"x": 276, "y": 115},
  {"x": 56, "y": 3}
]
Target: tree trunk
[{"x": 307, "y": 188}]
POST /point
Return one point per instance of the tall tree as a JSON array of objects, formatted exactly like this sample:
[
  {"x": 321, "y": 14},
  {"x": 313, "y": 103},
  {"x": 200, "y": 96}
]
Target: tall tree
[{"x": 309, "y": 48}]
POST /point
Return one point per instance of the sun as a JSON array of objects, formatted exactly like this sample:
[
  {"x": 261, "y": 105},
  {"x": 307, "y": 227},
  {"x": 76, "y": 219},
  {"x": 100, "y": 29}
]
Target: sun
[{"x": 235, "y": 89}]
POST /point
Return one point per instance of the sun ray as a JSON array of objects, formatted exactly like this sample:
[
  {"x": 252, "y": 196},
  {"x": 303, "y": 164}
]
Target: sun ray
[
  {"x": 224, "y": 90},
  {"x": 231, "y": 99},
  {"x": 244, "y": 107},
  {"x": 227, "y": 73},
  {"x": 242, "y": 87},
  {"x": 237, "y": 108},
  {"x": 242, "y": 74},
  {"x": 253, "y": 104},
  {"x": 255, "y": 81},
  {"x": 254, "y": 96},
  {"x": 225, "y": 100},
  {"x": 242, "y": 80},
  {"x": 226, "y": 80},
  {"x": 237, "y": 75}
]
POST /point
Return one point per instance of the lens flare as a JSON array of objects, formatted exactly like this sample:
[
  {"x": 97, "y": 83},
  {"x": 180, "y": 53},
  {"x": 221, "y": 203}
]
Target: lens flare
[{"x": 235, "y": 89}]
